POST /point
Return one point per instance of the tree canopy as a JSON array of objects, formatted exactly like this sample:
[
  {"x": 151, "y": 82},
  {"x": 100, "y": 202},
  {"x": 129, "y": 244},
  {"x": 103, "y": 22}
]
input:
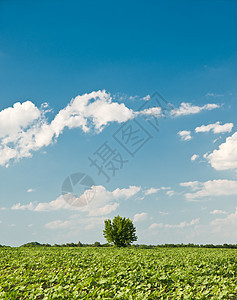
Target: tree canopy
[{"x": 120, "y": 232}]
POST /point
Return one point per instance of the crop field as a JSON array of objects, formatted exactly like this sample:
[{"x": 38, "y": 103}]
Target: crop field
[{"x": 112, "y": 273}]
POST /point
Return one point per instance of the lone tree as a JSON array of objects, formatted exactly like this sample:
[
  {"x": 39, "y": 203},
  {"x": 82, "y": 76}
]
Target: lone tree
[{"x": 120, "y": 232}]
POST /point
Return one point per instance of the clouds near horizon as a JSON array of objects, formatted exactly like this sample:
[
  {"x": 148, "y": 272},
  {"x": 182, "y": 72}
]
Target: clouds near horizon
[
  {"x": 103, "y": 202},
  {"x": 210, "y": 188}
]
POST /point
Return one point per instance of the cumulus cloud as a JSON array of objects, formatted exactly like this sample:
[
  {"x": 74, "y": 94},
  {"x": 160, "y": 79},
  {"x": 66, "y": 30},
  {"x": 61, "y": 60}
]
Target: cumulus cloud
[
  {"x": 126, "y": 192},
  {"x": 20, "y": 206},
  {"x": 14, "y": 119},
  {"x": 194, "y": 157},
  {"x": 24, "y": 128},
  {"x": 185, "y": 135},
  {"x": 103, "y": 203},
  {"x": 14, "y": 130},
  {"x": 225, "y": 157},
  {"x": 104, "y": 210},
  {"x": 152, "y": 111},
  {"x": 151, "y": 191},
  {"x": 211, "y": 188},
  {"x": 140, "y": 217},
  {"x": 215, "y": 128},
  {"x": 189, "y": 109}
]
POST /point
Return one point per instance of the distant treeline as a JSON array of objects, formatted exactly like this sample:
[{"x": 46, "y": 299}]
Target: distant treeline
[{"x": 98, "y": 244}]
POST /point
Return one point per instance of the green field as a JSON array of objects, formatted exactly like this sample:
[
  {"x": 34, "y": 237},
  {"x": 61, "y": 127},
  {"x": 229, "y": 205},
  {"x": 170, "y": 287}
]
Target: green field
[{"x": 112, "y": 273}]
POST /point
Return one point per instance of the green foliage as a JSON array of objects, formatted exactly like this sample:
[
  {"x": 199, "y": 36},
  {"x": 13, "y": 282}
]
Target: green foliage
[
  {"x": 117, "y": 273},
  {"x": 32, "y": 244},
  {"x": 120, "y": 232},
  {"x": 97, "y": 244}
]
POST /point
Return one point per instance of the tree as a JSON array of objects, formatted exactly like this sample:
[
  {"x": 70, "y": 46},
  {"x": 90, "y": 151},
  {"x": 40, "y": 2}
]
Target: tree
[
  {"x": 79, "y": 244},
  {"x": 120, "y": 232},
  {"x": 96, "y": 244}
]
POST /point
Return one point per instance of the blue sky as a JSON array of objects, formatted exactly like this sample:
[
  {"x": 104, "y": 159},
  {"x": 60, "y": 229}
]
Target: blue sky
[{"x": 73, "y": 74}]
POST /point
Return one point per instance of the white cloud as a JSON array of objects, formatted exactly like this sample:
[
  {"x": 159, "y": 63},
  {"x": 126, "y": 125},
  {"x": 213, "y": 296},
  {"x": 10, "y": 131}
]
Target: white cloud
[
  {"x": 220, "y": 230},
  {"x": 226, "y": 226},
  {"x": 139, "y": 198},
  {"x": 151, "y": 191},
  {"x": 225, "y": 157},
  {"x": 180, "y": 225},
  {"x": 188, "y": 109},
  {"x": 185, "y": 135},
  {"x": 217, "y": 139},
  {"x": 96, "y": 107},
  {"x": 216, "y": 128},
  {"x": 126, "y": 192},
  {"x": 19, "y": 128},
  {"x": 140, "y": 217},
  {"x": 20, "y": 206},
  {"x": 30, "y": 190},
  {"x": 75, "y": 222},
  {"x": 152, "y": 111},
  {"x": 20, "y": 116},
  {"x": 194, "y": 185},
  {"x": 164, "y": 213},
  {"x": 183, "y": 224},
  {"x": 105, "y": 210},
  {"x": 170, "y": 193},
  {"x": 230, "y": 219},
  {"x": 211, "y": 188},
  {"x": 24, "y": 128},
  {"x": 218, "y": 212},
  {"x": 156, "y": 225},
  {"x": 194, "y": 157},
  {"x": 214, "y": 95},
  {"x": 103, "y": 203},
  {"x": 58, "y": 224},
  {"x": 164, "y": 188},
  {"x": 146, "y": 98}
]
